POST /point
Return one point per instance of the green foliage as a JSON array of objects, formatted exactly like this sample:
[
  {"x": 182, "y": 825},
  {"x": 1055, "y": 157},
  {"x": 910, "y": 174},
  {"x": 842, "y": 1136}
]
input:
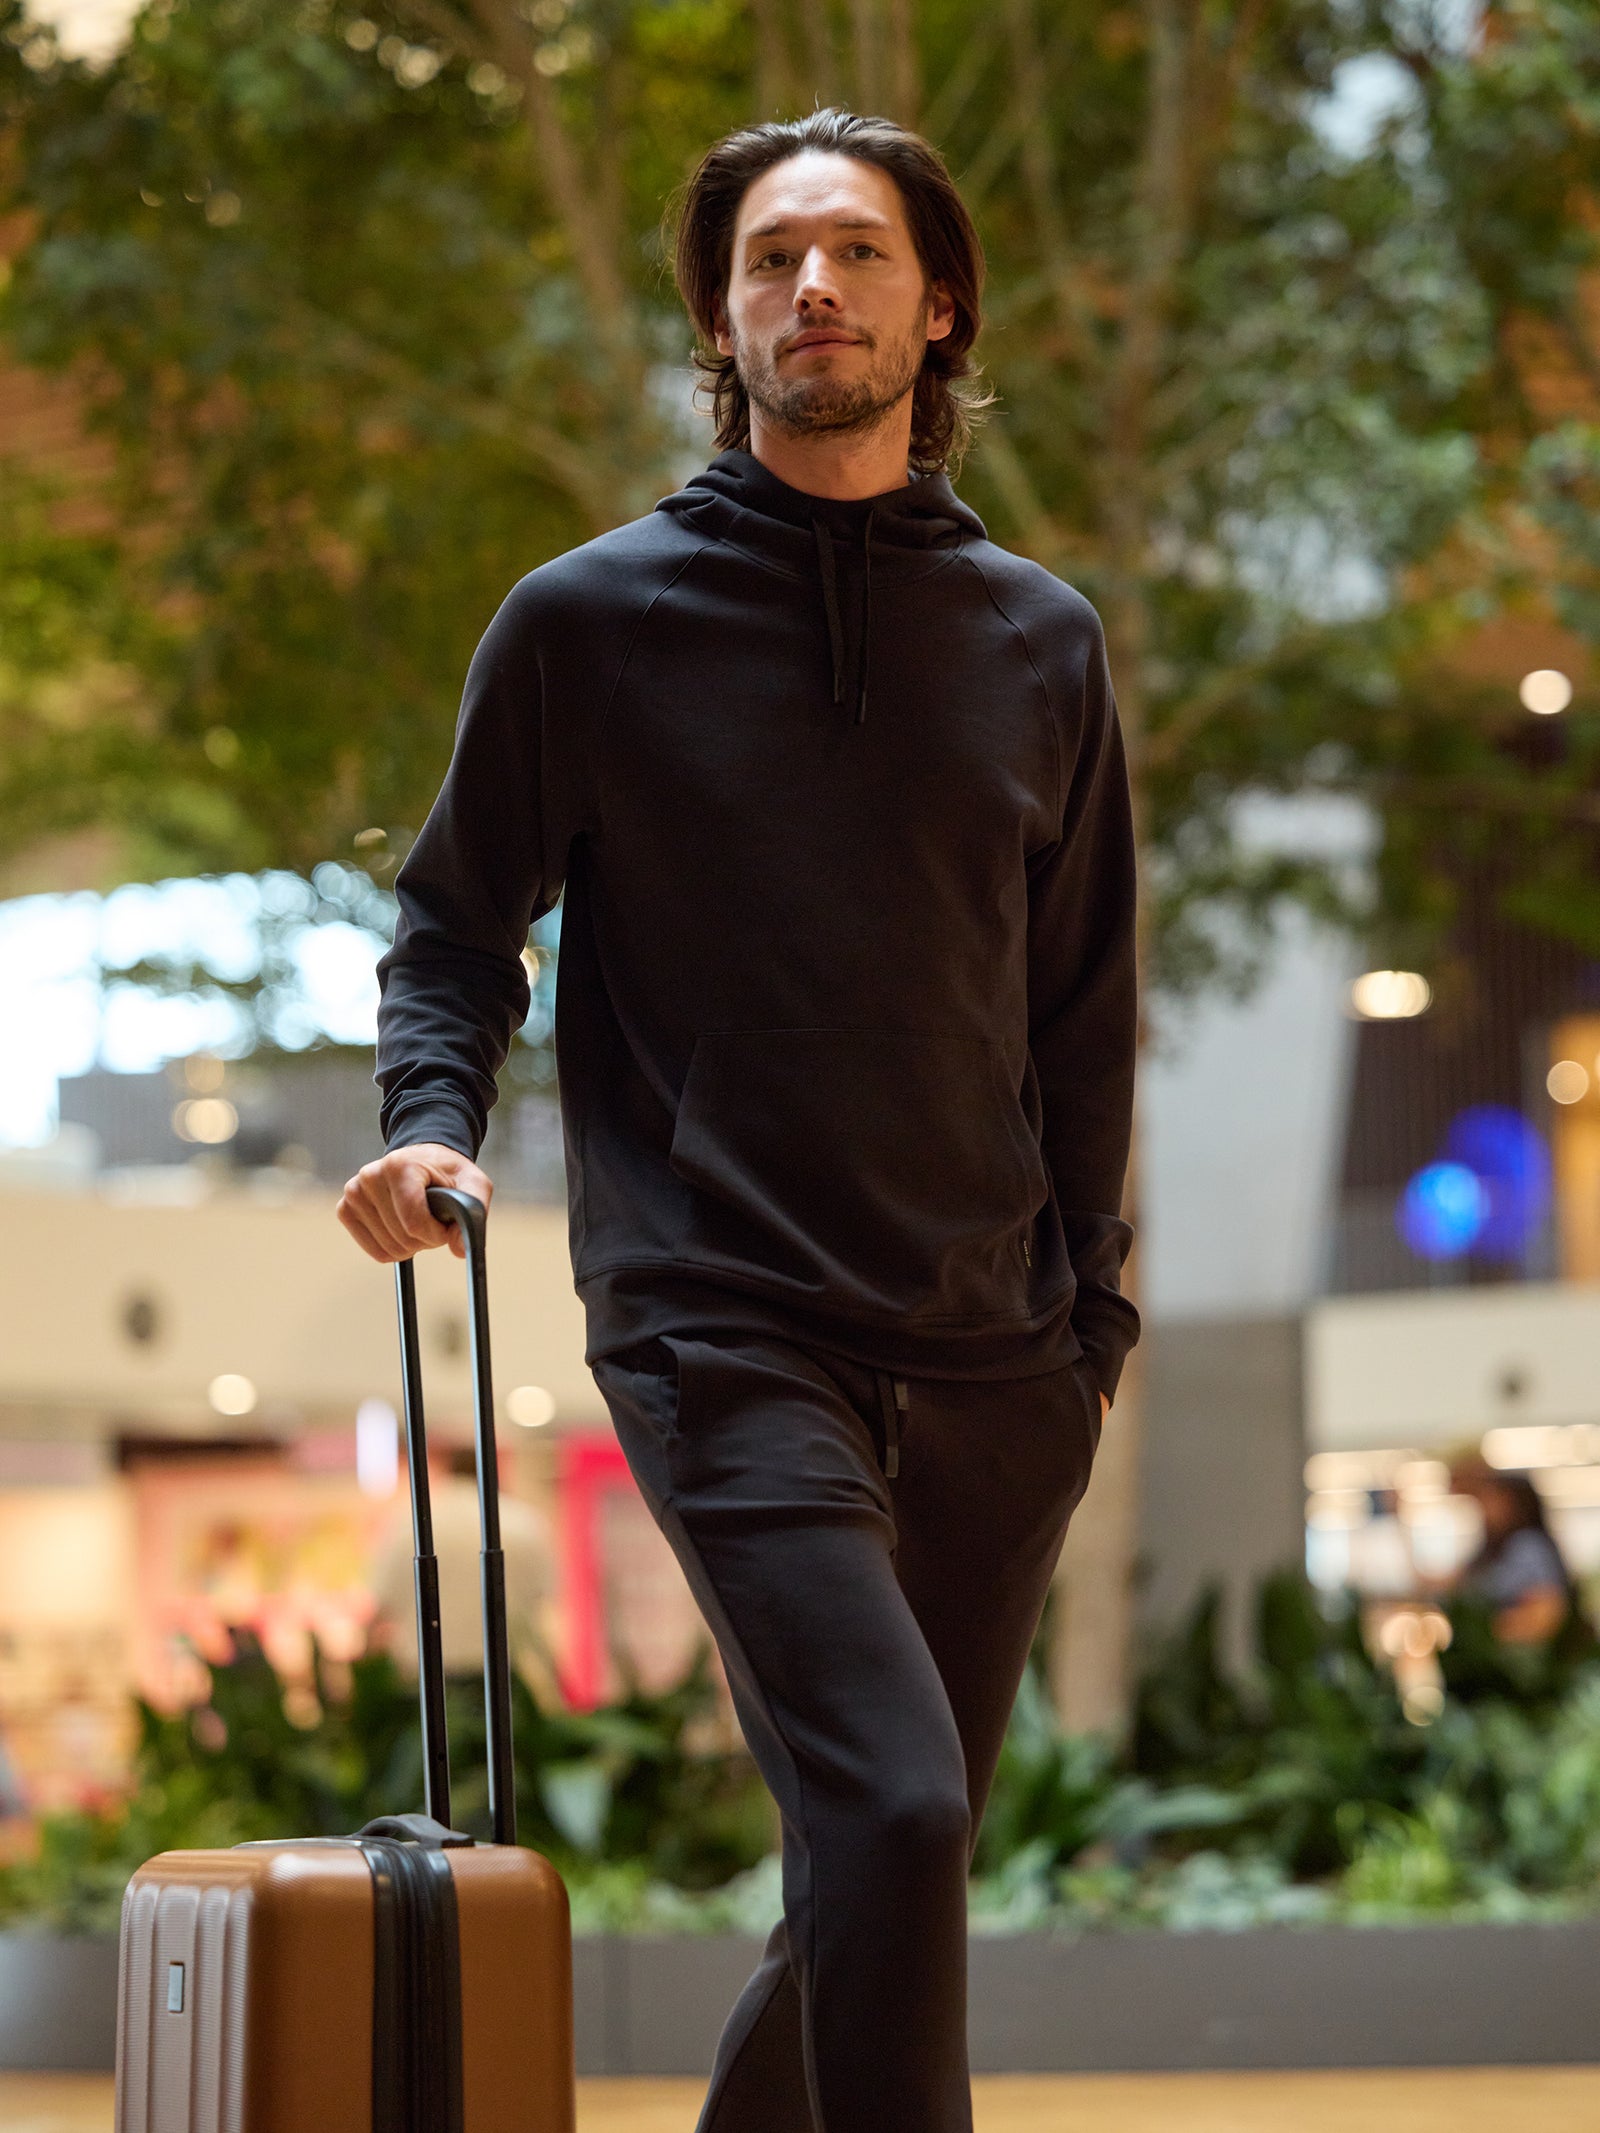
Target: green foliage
[
  {"x": 1296, "y": 1794},
  {"x": 324, "y": 483},
  {"x": 75, "y": 1880},
  {"x": 1498, "y": 1800},
  {"x": 1320, "y": 1725},
  {"x": 1301, "y": 1792},
  {"x": 1480, "y": 1667},
  {"x": 372, "y": 313},
  {"x": 1057, "y": 1795},
  {"x": 620, "y": 1788},
  {"x": 1405, "y": 1865}
]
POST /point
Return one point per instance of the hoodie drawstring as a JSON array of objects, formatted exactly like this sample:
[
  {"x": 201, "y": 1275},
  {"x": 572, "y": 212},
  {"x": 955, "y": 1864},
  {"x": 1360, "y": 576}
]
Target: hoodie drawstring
[
  {"x": 830, "y": 601},
  {"x": 866, "y": 619}
]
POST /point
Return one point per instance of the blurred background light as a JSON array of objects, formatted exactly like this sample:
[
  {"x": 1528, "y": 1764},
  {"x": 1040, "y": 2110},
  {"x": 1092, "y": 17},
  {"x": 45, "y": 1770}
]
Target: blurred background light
[
  {"x": 530, "y": 1405},
  {"x": 1442, "y": 1211},
  {"x": 211, "y": 1120},
  {"x": 86, "y": 29},
  {"x": 377, "y": 1448},
  {"x": 1545, "y": 691},
  {"x": 1509, "y": 1157},
  {"x": 231, "y": 1394},
  {"x": 1568, "y": 1081},
  {"x": 1390, "y": 995},
  {"x": 1527, "y": 1447}
]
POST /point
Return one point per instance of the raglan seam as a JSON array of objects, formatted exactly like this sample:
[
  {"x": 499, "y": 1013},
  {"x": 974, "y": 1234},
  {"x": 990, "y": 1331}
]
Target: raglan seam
[
  {"x": 1012, "y": 623},
  {"x": 640, "y": 619}
]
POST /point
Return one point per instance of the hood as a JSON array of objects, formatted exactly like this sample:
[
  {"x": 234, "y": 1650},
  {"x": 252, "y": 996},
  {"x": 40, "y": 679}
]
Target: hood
[{"x": 903, "y": 534}]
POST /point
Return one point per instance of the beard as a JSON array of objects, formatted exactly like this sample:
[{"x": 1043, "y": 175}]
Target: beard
[{"x": 822, "y": 403}]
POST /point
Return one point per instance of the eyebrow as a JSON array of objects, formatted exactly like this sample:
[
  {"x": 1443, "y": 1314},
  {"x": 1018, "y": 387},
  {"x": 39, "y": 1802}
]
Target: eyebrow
[{"x": 843, "y": 222}]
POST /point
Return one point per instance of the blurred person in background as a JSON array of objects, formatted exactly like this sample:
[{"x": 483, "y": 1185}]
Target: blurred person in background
[
  {"x": 1518, "y": 1571},
  {"x": 846, "y": 1022},
  {"x": 12, "y": 1803},
  {"x": 1381, "y": 1562}
]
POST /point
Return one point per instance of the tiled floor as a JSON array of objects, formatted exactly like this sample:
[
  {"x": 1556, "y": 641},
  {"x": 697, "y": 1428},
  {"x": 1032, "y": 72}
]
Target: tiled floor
[{"x": 1537, "y": 2100}]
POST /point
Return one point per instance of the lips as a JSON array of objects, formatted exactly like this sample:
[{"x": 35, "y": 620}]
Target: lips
[{"x": 824, "y": 340}]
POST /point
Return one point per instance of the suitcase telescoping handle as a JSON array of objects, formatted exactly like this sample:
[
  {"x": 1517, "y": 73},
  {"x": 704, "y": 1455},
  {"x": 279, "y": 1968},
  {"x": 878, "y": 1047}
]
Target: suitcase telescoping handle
[{"x": 471, "y": 1218}]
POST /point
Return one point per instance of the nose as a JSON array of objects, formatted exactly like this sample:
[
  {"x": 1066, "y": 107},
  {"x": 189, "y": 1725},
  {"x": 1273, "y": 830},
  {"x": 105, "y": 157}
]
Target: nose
[{"x": 816, "y": 288}]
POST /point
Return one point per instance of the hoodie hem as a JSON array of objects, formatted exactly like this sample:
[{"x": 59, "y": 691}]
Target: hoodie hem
[{"x": 635, "y": 1300}]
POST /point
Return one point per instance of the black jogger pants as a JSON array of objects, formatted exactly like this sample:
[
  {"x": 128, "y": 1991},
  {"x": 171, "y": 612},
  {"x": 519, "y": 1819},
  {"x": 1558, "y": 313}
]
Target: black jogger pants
[{"x": 872, "y": 1555}]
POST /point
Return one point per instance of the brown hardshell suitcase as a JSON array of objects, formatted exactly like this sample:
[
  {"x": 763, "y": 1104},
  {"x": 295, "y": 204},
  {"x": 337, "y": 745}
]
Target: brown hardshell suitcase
[{"x": 402, "y": 1980}]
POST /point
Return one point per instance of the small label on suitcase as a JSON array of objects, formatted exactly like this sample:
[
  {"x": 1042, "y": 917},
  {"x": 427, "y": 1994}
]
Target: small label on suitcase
[{"x": 174, "y": 1988}]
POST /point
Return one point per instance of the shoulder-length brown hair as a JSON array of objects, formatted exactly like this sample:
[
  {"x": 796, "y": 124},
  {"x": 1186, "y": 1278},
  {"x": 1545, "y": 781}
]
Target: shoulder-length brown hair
[{"x": 949, "y": 391}]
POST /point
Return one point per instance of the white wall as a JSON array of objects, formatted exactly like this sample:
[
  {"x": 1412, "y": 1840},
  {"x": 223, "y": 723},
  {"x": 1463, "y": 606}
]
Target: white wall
[
  {"x": 277, "y": 1293},
  {"x": 1241, "y": 1115},
  {"x": 1242, "y": 1103},
  {"x": 1438, "y": 1367}
]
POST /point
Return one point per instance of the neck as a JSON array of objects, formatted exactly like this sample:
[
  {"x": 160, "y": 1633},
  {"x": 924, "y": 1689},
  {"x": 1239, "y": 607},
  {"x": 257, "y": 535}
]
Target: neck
[{"x": 845, "y": 467}]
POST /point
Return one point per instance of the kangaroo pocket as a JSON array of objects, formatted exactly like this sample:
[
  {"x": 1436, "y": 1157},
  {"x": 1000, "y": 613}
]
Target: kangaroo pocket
[{"x": 887, "y": 1172}]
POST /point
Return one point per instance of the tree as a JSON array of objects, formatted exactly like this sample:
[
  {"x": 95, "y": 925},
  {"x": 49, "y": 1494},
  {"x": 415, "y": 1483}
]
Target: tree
[{"x": 373, "y": 309}]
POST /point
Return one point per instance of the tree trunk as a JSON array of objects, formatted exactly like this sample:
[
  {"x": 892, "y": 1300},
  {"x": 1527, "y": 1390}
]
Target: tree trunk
[
  {"x": 1091, "y": 1649},
  {"x": 1091, "y": 1663}
]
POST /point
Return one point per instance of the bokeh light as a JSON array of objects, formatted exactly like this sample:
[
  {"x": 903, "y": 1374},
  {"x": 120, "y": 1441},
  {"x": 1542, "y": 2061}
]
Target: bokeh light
[
  {"x": 1442, "y": 1211},
  {"x": 1390, "y": 995},
  {"x": 1512, "y": 1162},
  {"x": 231, "y": 1394},
  {"x": 1568, "y": 1081},
  {"x": 1545, "y": 691},
  {"x": 531, "y": 1406}
]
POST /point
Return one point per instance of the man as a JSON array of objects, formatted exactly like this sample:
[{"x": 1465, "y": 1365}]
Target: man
[{"x": 845, "y": 1031}]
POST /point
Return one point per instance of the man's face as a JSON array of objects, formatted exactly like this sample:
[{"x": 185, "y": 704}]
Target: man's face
[{"x": 827, "y": 315}]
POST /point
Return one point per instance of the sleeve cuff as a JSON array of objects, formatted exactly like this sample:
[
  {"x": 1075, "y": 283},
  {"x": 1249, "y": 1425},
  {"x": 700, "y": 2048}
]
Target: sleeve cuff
[
  {"x": 1106, "y": 1334},
  {"x": 438, "y": 1120}
]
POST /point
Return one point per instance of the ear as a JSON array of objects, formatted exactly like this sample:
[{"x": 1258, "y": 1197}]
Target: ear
[
  {"x": 941, "y": 311},
  {"x": 719, "y": 324}
]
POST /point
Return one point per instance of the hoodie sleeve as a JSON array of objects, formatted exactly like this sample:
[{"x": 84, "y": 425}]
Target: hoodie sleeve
[
  {"x": 453, "y": 990},
  {"x": 1083, "y": 1006}
]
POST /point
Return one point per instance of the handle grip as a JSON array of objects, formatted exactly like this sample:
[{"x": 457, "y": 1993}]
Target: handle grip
[
  {"x": 447, "y": 1203},
  {"x": 421, "y": 1830}
]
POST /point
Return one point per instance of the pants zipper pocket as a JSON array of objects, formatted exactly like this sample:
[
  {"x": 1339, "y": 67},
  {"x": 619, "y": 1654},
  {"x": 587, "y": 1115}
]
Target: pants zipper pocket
[{"x": 895, "y": 1399}]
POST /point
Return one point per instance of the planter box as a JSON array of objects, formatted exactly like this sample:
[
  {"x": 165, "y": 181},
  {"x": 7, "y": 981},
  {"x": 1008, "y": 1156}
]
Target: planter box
[
  {"x": 1331, "y": 1996},
  {"x": 1039, "y": 2003},
  {"x": 58, "y": 2003},
  {"x": 1145, "y": 2002}
]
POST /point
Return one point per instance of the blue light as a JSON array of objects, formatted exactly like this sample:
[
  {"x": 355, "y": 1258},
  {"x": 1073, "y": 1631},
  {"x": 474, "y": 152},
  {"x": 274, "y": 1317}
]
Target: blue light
[
  {"x": 1509, "y": 1158},
  {"x": 1442, "y": 1210}
]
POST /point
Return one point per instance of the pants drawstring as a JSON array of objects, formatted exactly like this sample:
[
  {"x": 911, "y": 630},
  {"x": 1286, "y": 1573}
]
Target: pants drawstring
[{"x": 895, "y": 1399}]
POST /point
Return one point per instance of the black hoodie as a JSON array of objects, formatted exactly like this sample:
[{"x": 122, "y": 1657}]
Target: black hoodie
[{"x": 845, "y": 1015}]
